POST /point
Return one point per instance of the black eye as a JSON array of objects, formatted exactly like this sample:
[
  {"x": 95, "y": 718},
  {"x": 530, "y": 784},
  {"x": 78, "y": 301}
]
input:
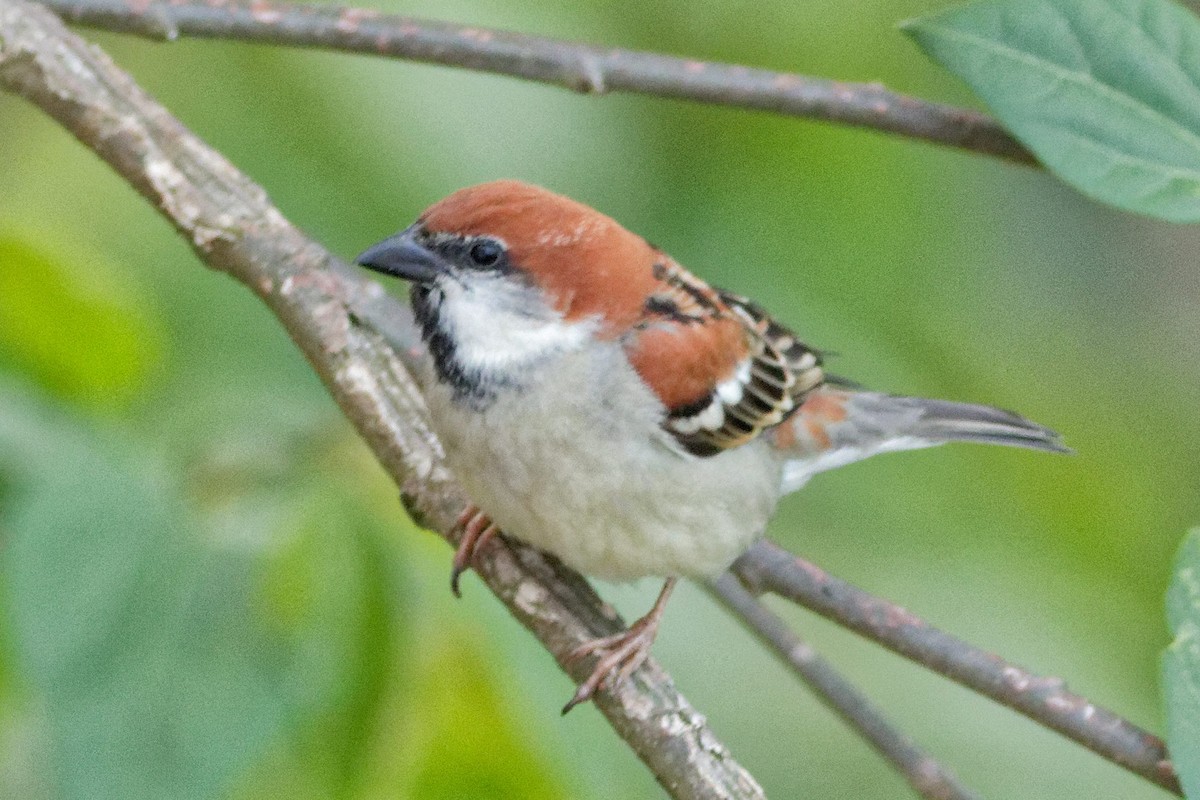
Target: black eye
[{"x": 486, "y": 252}]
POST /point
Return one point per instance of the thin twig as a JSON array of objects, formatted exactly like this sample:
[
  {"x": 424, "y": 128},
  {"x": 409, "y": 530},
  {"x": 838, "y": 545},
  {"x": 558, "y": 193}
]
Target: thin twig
[
  {"x": 576, "y": 66},
  {"x": 929, "y": 778},
  {"x": 233, "y": 228},
  {"x": 766, "y": 567}
]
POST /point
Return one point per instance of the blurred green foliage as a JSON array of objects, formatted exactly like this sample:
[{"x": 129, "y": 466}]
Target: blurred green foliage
[
  {"x": 208, "y": 589},
  {"x": 48, "y": 309}
]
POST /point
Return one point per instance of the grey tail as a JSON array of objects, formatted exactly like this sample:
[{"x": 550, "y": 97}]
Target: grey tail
[
  {"x": 943, "y": 420},
  {"x": 838, "y": 426}
]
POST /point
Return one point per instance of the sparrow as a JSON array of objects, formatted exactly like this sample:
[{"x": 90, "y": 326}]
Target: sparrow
[{"x": 599, "y": 402}]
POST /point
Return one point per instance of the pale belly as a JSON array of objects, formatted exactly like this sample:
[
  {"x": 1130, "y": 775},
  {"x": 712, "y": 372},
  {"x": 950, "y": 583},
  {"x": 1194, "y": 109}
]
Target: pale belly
[{"x": 601, "y": 489}]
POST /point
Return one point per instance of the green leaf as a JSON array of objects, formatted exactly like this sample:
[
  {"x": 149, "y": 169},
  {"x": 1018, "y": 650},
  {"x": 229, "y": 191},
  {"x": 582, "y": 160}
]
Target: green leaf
[
  {"x": 1181, "y": 665},
  {"x": 1105, "y": 92},
  {"x": 147, "y": 651},
  {"x": 74, "y": 326}
]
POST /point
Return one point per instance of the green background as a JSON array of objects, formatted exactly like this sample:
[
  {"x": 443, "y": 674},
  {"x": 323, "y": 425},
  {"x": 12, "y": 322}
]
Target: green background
[{"x": 208, "y": 589}]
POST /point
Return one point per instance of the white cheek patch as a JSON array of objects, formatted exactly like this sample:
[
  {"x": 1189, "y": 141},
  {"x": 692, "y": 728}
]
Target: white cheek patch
[{"x": 497, "y": 326}]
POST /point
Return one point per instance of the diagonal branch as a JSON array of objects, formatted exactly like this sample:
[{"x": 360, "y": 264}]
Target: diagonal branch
[
  {"x": 579, "y": 67},
  {"x": 927, "y": 777},
  {"x": 766, "y": 567},
  {"x": 233, "y": 228}
]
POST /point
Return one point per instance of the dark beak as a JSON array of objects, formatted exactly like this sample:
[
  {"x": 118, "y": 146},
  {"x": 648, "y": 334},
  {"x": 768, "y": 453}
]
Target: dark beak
[{"x": 403, "y": 256}]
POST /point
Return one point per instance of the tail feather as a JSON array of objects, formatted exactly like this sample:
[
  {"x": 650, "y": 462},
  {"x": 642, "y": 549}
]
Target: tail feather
[
  {"x": 837, "y": 426},
  {"x": 946, "y": 421}
]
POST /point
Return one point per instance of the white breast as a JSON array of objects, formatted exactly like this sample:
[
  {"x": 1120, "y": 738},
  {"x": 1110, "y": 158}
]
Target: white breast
[{"x": 578, "y": 466}]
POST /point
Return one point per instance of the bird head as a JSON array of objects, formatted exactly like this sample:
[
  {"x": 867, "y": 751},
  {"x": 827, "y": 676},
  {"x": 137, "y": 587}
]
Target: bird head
[{"x": 506, "y": 274}]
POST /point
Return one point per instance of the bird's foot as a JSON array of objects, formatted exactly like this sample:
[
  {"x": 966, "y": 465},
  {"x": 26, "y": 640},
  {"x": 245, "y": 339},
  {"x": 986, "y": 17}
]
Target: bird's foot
[
  {"x": 620, "y": 654},
  {"x": 478, "y": 529}
]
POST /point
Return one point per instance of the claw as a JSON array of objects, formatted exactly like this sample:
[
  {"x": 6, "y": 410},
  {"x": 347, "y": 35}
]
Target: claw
[
  {"x": 478, "y": 530},
  {"x": 620, "y": 654}
]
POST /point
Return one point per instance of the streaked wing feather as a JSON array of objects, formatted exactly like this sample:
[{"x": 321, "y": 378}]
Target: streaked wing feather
[{"x": 735, "y": 403}]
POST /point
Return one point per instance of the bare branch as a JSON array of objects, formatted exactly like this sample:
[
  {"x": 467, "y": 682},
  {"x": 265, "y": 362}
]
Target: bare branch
[
  {"x": 579, "y": 67},
  {"x": 929, "y": 778},
  {"x": 766, "y": 567},
  {"x": 233, "y": 228}
]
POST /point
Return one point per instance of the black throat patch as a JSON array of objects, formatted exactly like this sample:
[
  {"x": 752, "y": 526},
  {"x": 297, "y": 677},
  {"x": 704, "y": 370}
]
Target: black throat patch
[{"x": 471, "y": 387}]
